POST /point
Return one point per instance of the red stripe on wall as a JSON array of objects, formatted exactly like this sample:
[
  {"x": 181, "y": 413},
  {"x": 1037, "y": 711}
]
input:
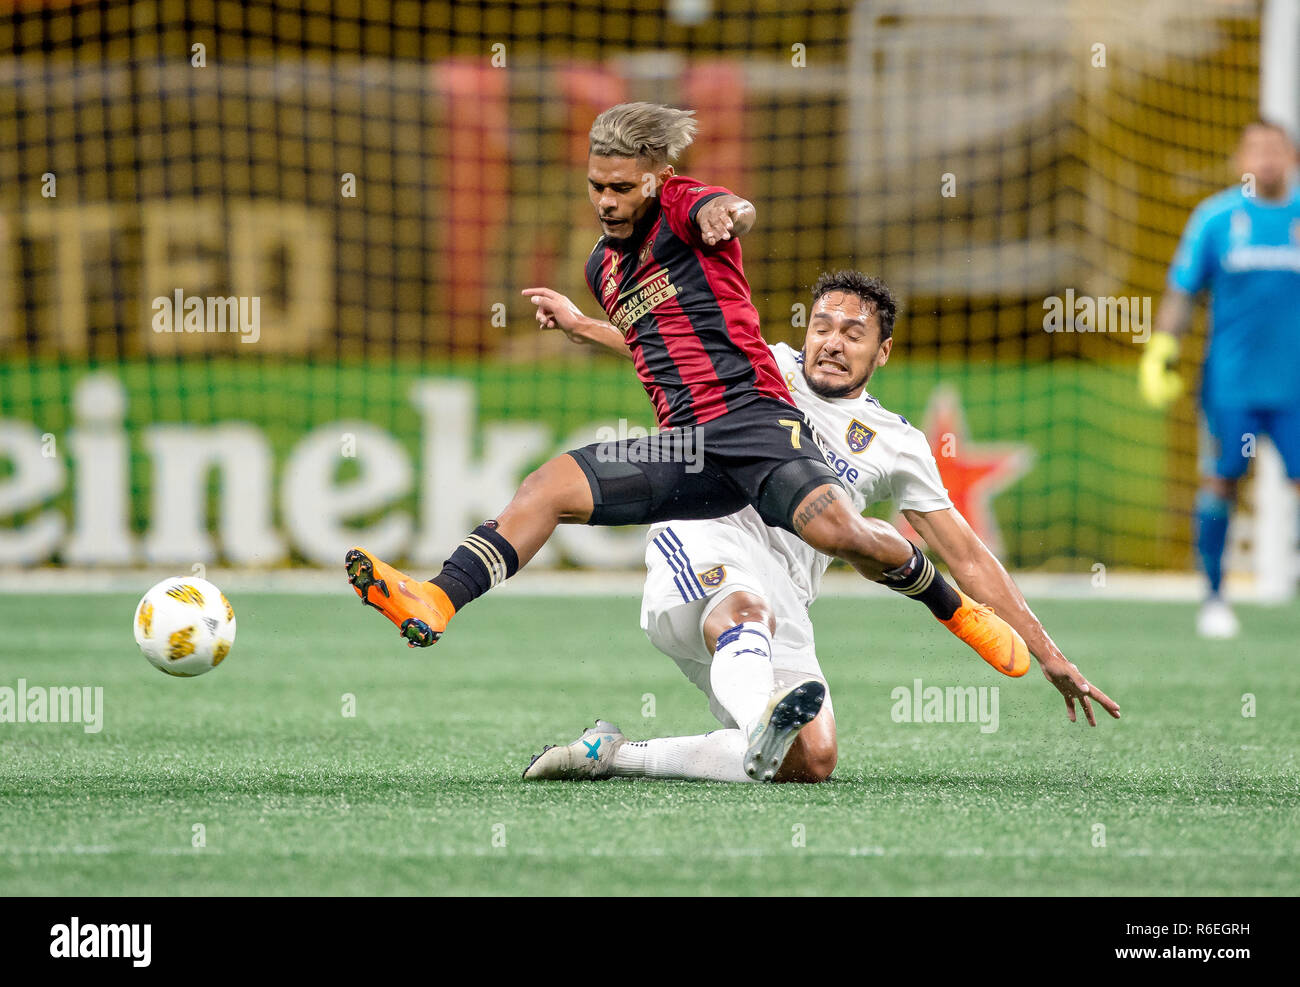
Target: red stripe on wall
[
  {"x": 475, "y": 186},
  {"x": 716, "y": 91}
]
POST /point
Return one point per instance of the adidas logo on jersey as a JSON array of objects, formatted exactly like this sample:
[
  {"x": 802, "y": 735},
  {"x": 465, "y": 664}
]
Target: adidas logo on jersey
[{"x": 611, "y": 282}]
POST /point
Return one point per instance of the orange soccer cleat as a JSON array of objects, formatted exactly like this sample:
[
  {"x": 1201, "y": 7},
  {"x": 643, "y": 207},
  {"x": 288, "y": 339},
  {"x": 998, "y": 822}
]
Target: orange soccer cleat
[
  {"x": 420, "y": 610},
  {"x": 993, "y": 639}
]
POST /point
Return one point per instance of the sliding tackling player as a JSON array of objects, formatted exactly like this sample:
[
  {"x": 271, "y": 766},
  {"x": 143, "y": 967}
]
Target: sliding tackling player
[{"x": 711, "y": 583}]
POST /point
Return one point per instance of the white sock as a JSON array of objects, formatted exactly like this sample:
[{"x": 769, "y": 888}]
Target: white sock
[
  {"x": 715, "y": 756},
  {"x": 741, "y": 674}
]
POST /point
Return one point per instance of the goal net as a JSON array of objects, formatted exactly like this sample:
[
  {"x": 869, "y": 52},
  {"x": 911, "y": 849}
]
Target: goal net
[{"x": 260, "y": 262}]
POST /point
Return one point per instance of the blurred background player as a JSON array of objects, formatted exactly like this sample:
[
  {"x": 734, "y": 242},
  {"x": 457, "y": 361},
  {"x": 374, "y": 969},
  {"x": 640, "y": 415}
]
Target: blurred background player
[
  {"x": 710, "y": 583},
  {"x": 1241, "y": 247},
  {"x": 668, "y": 272}
]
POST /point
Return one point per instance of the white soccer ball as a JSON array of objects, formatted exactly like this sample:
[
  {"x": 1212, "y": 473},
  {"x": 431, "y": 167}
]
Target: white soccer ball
[{"x": 185, "y": 626}]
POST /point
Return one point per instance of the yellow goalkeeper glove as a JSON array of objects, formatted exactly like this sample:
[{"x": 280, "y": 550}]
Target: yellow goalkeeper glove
[{"x": 1159, "y": 383}]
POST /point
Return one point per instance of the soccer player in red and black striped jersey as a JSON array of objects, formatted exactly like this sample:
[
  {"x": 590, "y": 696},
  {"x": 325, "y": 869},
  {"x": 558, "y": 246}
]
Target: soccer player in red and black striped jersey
[
  {"x": 669, "y": 275},
  {"x": 673, "y": 286}
]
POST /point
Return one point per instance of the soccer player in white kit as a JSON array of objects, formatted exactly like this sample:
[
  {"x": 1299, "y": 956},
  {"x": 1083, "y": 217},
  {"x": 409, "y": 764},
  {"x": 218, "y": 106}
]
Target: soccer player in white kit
[{"x": 727, "y": 599}]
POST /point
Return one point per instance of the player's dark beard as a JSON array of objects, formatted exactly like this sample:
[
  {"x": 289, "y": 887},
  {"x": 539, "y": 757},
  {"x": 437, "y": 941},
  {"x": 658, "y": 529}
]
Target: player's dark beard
[
  {"x": 834, "y": 390},
  {"x": 639, "y": 230}
]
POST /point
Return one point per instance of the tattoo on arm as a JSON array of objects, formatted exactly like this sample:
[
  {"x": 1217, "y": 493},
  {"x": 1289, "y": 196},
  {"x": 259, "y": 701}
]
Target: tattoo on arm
[{"x": 813, "y": 509}]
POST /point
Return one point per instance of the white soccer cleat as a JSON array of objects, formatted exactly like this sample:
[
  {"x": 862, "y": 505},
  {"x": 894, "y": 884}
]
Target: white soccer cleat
[
  {"x": 788, "y": 712},
  {"x": 590, "y": 757},
  {"x": 1216, "y": 620}
]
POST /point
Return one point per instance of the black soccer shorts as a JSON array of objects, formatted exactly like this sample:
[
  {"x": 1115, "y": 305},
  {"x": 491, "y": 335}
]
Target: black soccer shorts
[{"x": 763, "y": 453}]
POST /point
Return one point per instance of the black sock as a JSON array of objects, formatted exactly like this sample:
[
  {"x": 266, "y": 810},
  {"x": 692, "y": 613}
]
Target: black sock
[
  {"x": 481, "y": 561},
  {"x": 919, "y": 579}
]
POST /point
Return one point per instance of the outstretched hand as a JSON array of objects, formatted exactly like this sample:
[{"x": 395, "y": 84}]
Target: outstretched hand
[
  {"x": 723, "y": 218},
  {"x": 555, "y": 311},
  {"x": 1069, "y": 681}
]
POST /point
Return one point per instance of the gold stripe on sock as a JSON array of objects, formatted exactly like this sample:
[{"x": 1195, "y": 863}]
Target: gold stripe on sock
[
  {"x": 497, "y": 567},
  {"x": 926, "y": 578},
  {"x": 487, "y": 563}
]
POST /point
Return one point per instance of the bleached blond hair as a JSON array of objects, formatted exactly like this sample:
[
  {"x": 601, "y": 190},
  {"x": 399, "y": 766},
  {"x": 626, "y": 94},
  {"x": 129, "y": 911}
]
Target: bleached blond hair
[{"x": 642, "y": 130}]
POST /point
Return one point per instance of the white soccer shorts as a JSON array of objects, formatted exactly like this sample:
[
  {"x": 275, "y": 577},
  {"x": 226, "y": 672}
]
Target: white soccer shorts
[{"x": 691, "y": 567}]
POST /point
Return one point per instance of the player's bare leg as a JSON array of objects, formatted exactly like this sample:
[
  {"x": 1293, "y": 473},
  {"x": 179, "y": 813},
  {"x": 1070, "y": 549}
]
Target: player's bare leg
[
  {"x": 556, "y": 492},
  {"x": 827, "y": 521},
  {"x": 814, "y": 753}
]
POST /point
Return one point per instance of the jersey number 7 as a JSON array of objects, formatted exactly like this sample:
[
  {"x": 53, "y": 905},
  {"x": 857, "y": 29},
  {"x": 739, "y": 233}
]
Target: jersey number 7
[{"x": 793, "y": 426}]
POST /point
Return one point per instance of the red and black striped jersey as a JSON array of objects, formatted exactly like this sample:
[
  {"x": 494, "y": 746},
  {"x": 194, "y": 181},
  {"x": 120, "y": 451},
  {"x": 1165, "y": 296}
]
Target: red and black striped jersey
[{"x": 685, "y": 311}]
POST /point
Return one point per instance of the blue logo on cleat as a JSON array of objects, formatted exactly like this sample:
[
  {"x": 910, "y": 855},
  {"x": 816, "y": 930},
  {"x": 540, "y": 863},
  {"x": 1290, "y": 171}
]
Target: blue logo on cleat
[{"x": 593, "y": 748}]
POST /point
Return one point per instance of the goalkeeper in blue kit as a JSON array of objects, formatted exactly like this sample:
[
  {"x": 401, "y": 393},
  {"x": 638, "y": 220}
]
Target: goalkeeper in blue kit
[{"x": 1241, "y": 248}]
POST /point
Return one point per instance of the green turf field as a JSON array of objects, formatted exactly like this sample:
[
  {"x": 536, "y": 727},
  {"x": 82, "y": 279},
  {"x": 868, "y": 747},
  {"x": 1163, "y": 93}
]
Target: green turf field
[{"x": 411, "y": 794}]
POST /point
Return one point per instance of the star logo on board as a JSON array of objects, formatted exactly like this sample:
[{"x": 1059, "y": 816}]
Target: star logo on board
[{"x": 973, "y": 472}]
